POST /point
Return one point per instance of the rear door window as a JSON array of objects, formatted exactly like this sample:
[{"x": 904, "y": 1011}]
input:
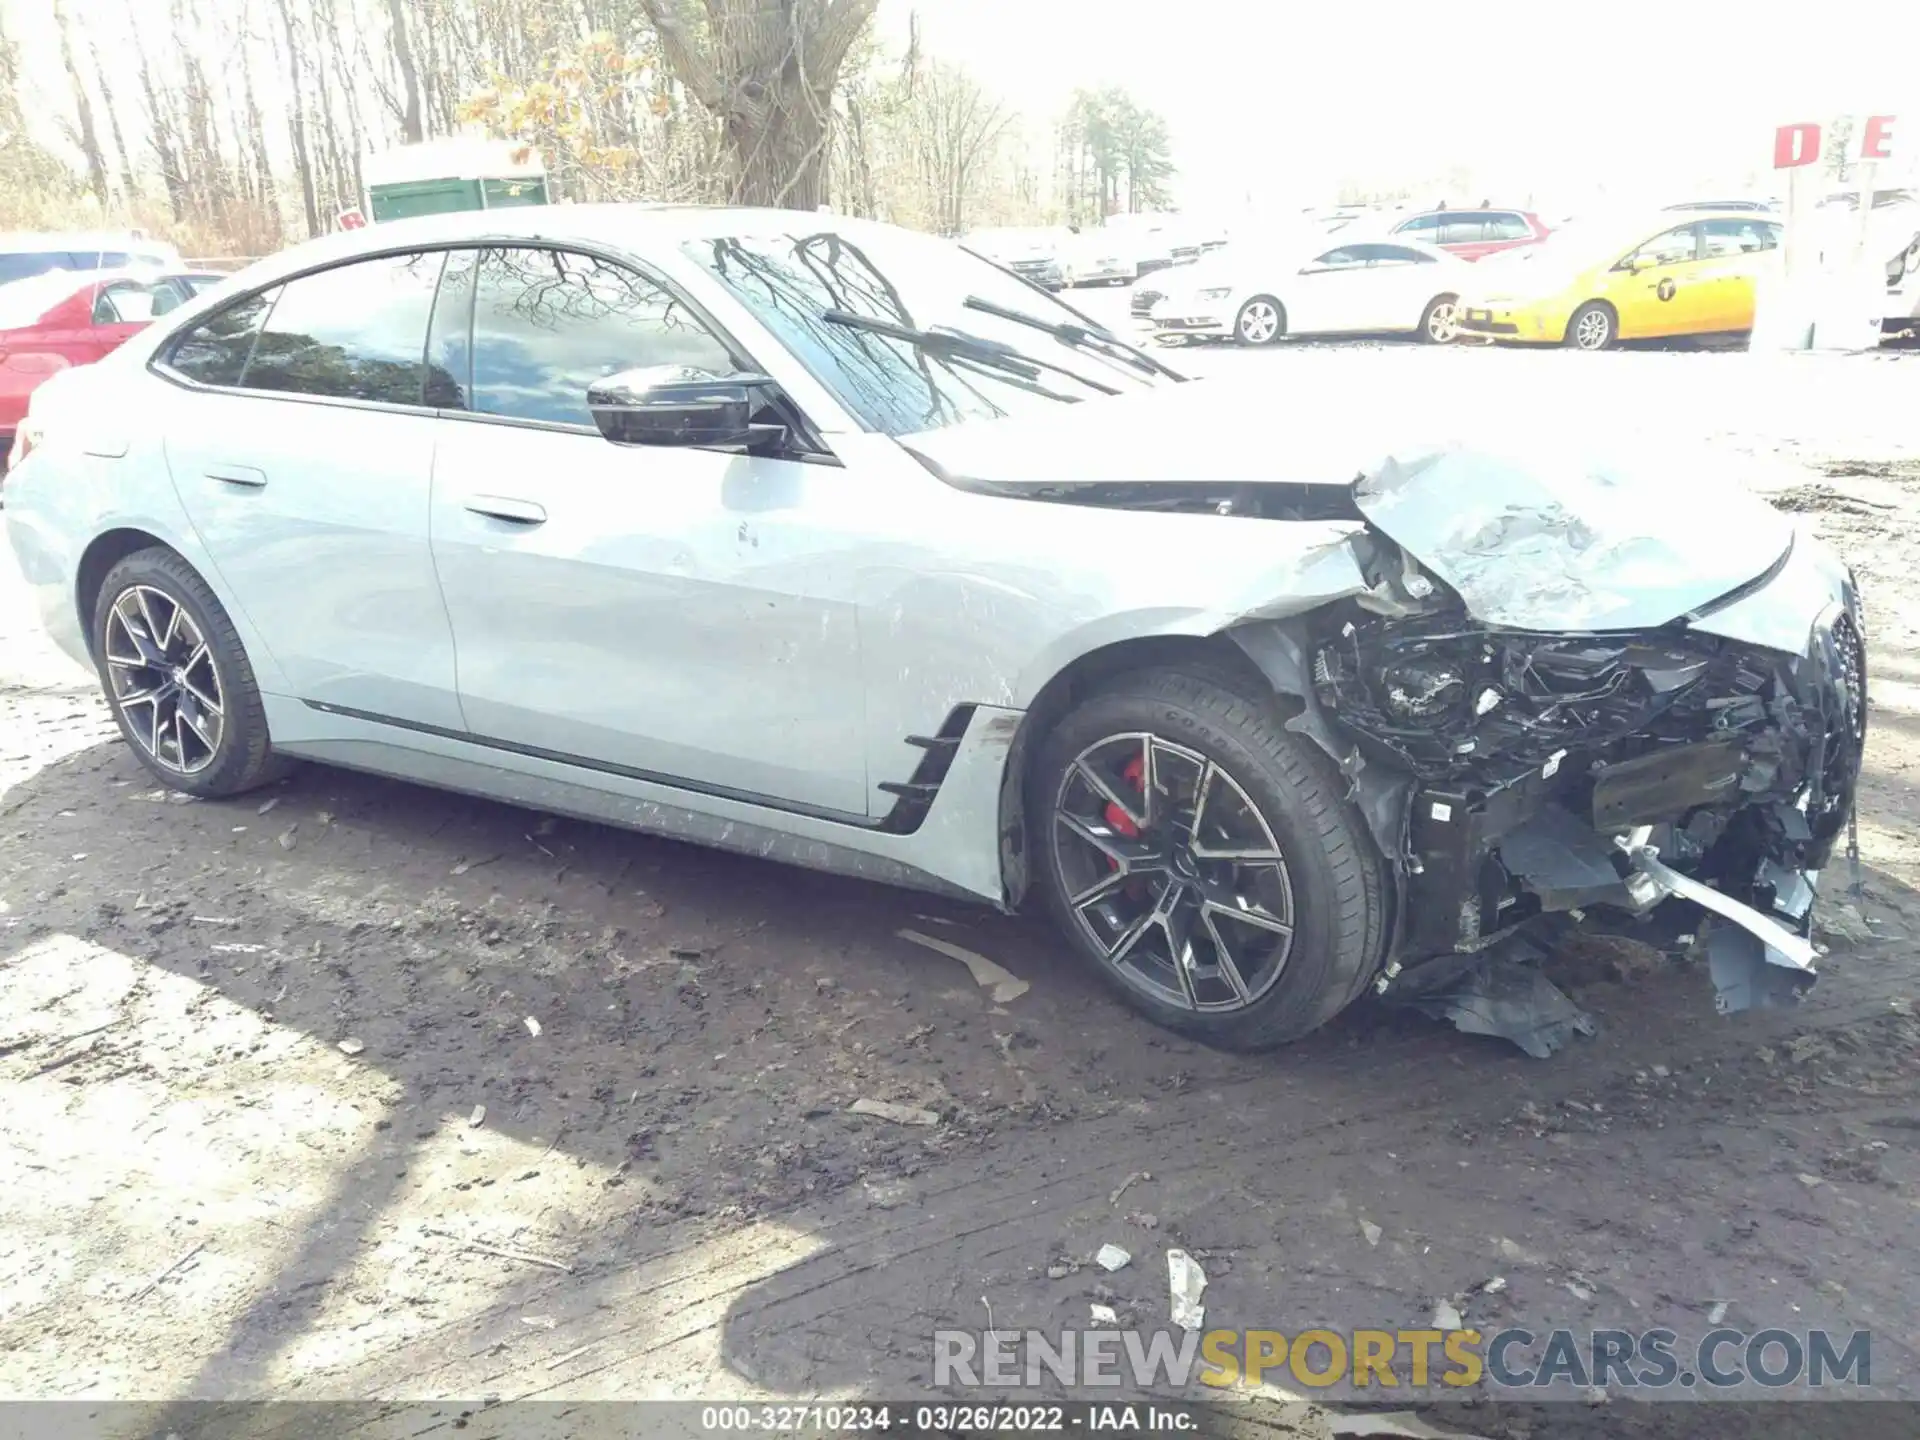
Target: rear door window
[
  {"x": 1505, "y": 225},
  {"x": 1377, "y": 255},
  {"x": 127, "y": 303},
  {"x": 1467, "y": 229},
  {"x": 354, "y": 332},
  {"x": 1738, "y": 237},
  {"x": 215, "y": 351}
]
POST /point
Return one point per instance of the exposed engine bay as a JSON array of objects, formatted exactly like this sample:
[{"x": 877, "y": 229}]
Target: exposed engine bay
[{"x": 1554, "y": 772}]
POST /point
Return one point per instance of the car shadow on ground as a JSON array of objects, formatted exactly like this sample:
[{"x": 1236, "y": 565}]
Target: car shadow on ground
[{"x": 703, "y": 1023}]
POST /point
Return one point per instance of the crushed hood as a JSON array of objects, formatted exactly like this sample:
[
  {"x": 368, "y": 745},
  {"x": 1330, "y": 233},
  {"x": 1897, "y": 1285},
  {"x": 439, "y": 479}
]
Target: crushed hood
[{"x": 1534, "y": 528}]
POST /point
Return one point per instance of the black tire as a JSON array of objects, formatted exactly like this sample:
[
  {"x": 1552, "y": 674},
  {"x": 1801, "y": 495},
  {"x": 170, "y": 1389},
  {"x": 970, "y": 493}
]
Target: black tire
[
  {"x": 1431, "y": 314},
  {"x": 1594, "y": 326},
  {"x": 1249, "y": 310},
  {"x": 243, "y": 758},
  {"x": 1336, "y": 876}
]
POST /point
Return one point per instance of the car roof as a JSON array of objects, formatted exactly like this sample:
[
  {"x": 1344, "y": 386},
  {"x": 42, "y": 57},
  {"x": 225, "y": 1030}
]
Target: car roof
[
  {"x": 20, "y": 242},
  {"x": 1401, "y": 216},
  {"x": 622, "y": 225}
]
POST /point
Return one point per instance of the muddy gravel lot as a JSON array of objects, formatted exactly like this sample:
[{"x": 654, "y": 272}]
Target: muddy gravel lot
[{"x": 352, "y": 1089}]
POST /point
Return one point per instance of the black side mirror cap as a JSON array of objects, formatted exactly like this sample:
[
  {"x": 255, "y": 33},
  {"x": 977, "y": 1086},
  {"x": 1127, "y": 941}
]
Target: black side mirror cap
[{"x": 678, "y": 405}]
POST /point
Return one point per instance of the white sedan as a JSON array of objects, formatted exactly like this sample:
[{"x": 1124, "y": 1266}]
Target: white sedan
[
  {"x": 1098, "y": 257},
  {"x": 1256, "y": 296}
]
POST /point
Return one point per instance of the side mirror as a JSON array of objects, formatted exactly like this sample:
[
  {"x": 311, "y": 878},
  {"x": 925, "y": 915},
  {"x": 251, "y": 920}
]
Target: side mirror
[
  {"x": 1637, "y": 263},
  {"x": 681, "y": 406}
]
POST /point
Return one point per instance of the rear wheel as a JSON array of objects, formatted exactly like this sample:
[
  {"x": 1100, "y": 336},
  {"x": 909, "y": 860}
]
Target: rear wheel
[
  {"x": 1200, "y": 857},
  {"x": 1593, "y": 327},
  {"x": 1440, "y": 323},
  {"x": 1262, "y": 320},
  {"x": 177, "y": 678}
]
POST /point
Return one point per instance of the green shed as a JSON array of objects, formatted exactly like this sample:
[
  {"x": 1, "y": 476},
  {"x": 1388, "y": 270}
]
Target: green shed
[{"x": 458, "y": 173}]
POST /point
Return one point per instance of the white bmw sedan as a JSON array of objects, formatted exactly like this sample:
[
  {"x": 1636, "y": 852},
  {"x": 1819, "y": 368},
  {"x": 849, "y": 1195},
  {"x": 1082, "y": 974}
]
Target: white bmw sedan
[
  {"x": 1257, "y": 295},
  {"x": 828, "y": 542}
]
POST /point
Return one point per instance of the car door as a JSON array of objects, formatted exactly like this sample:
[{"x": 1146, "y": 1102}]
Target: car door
[
  {"x": 1734, "y": 253},
  {"x": 1505, "y": 230},
  {"x": 1328, "y": 293},
  {"x": 672, "y": 613},
  {"x": 1663, "y": 287},
  {"x": 1396, "y": 287},
  {"x": 303, "y": 454}
]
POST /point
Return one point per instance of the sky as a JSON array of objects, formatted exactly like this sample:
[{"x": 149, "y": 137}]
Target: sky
[
  {"x": 1536, "y": 104},
  {"x": 1543, "y": 102}
]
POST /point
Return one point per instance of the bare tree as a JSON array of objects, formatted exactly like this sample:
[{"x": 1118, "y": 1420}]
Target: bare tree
[
  {"x": 768, "y": 73},
  {"x": 83, "y": 106},
  {"x": 129, "y": 185},
  {"x": 297, "y": 117},
  {"x": 956, "y": 125},
  {"x": 409, "y": 107}
]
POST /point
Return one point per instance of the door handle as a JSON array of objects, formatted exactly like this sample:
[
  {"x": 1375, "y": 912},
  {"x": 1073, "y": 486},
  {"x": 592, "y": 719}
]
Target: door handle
[
  {"x": 238, "y": 475},
  {"x": 505, "y": 507}
]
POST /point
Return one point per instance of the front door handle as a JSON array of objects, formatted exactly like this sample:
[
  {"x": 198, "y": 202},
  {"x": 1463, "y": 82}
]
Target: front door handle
[
  {"x": 505, "y": 507},
  {"x": 245, "y": 475}
]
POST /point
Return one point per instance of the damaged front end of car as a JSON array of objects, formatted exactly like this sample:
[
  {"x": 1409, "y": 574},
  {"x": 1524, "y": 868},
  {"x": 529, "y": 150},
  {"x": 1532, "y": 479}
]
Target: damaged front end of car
[{"x": 1527, "y": 740}]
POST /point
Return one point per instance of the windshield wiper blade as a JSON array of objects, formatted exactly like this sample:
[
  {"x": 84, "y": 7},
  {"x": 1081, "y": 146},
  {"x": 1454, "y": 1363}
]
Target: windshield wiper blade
[
  {"x": 1079, "y": 336},
  {"x": 953, "y": 343}
]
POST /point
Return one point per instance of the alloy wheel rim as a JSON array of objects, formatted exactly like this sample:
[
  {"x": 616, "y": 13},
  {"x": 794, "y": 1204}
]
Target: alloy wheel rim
[
  {"x": 163, "y": 679},
  {"x": 1259, "y": 323},
  {"x": 1173, "y": 874},
  {"x": 1593, "y": 330},
  {"x": 1443, "y": 324}
]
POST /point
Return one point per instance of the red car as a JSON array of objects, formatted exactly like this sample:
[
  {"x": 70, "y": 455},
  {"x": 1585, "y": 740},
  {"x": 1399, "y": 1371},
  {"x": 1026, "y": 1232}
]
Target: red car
[
  {"x": 62, "y": 318},
  {"x": 1471, "y": 234}
]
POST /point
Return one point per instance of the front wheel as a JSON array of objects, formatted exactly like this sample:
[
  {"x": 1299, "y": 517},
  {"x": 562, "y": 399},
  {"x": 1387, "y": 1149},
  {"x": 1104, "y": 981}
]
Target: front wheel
[
  {"x": 177, "y": 678},
  {"x": 1440, "y": 322},
  {"x": 1203, "y": 860},
  {"x": 1261, "y": 321},
  {"x": 1593, "y": 327}
]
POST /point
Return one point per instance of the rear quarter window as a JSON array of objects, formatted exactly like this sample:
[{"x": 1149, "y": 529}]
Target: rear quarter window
[{"x": 215, "y": 351}]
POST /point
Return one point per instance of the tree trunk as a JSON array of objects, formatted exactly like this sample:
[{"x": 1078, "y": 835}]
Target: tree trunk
[
  {"x": 267, "y": 197},
  {"x": 297, "y": 120},
  {"x": 410, "y": 127},
  {"x": 89, "y": 137},
  {"x": 768, "y": 72},
  {"x": 160, "y": 137},
  {"x": 779, "y": 155},
  {"x": 129, "y": 187}
]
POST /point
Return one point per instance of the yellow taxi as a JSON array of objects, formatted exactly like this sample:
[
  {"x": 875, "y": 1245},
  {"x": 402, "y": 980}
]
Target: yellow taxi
[{"x": 1590, "y": 286}]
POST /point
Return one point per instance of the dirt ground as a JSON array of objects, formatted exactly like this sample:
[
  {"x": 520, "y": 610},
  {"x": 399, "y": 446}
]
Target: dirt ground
[{"x": 355, "y": 1089}]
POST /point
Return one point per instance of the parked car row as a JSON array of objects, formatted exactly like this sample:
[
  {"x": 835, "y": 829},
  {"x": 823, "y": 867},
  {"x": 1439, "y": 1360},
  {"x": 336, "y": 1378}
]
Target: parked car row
[
  {"x": 1115, "y": 253},
  {"x": 1684, "y": 271}
]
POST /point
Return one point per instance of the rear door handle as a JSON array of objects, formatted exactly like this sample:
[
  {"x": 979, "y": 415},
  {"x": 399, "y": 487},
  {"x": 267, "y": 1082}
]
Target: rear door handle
[
  {"x": 505, "y": 507},
  {"x": 238, "y": 475}
]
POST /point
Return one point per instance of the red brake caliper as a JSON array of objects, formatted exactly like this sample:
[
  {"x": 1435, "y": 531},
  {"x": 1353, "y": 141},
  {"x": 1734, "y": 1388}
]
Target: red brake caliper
[{"x": 1118, "y": 818}]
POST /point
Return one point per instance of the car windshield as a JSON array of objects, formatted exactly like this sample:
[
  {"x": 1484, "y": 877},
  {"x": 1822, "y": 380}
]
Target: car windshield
[
  {"x": 22, "y": 302},
  {"x": 813, "y": 288}
]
